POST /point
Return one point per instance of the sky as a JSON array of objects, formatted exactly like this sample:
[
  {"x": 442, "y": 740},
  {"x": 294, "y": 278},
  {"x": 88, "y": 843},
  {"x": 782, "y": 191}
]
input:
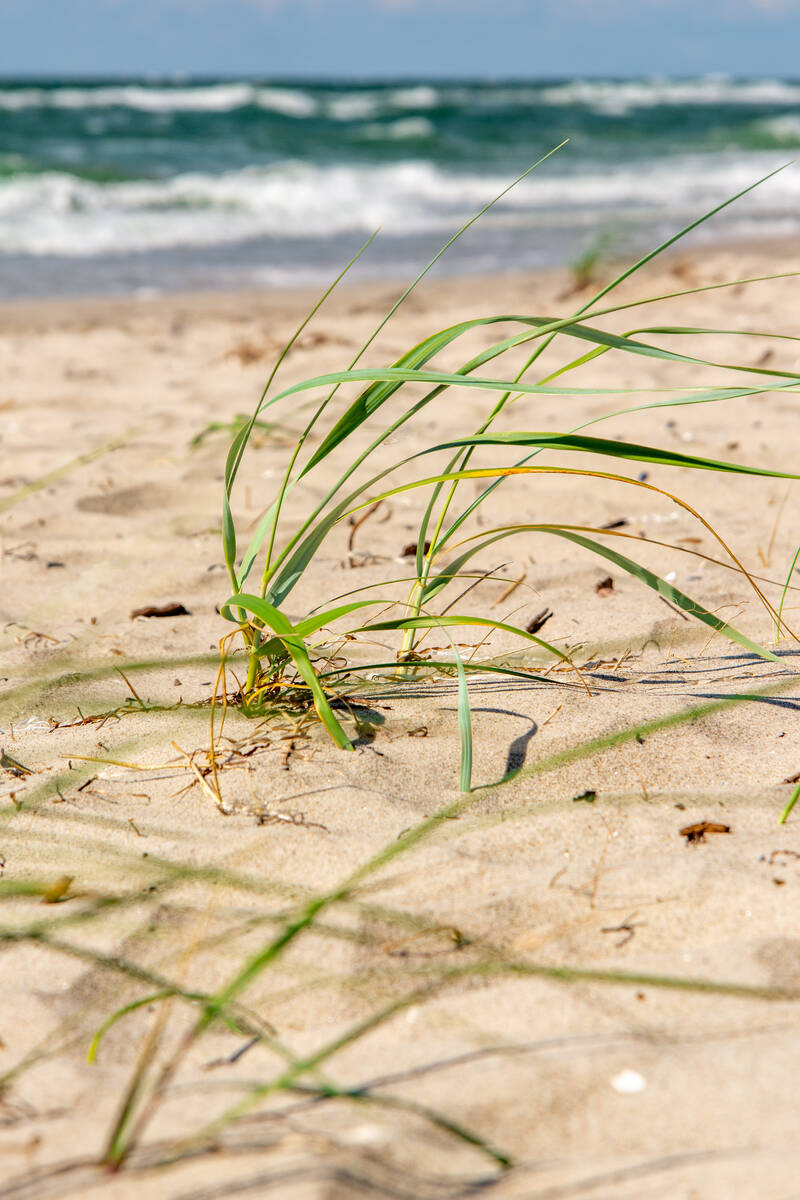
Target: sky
[{"x": 399, "y": 38}]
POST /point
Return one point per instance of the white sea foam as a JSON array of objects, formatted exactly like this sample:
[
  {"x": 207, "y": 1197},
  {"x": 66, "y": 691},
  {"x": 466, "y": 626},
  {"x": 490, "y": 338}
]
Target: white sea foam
[
  {"x": 222, "y": 97},
  {"x": 216, "y": 98},
  {"x": 400, "y": 130},
  {"x": 619, "y": 98},
  {"x": 225, "y": 97},
  {"x": 354, "y": 106},
  {"x": 414, "y": 97},
  {"x": 291, "y": 102},
  {"x": 21, "y": 98},
  {"x": 374, "y": 102},
  {"x": 613, "y": 97},
  {"x": 784, "y": 128},
  {"x": 59, "y": 213}
]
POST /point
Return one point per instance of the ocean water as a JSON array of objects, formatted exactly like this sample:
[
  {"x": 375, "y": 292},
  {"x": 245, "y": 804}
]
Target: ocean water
[{"x": 150, "y": 185}]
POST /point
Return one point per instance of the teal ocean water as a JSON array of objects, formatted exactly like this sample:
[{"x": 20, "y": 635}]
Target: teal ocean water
[{"x": 123, "y": 186}]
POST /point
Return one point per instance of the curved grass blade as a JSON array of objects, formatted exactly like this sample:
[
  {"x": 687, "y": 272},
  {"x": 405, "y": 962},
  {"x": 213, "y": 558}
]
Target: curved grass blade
[
  {"x": 475, "y": 473},
  {"x": 784, "y": 817},
  {"x": 243, "y": 436},
  {"x": 786, "y": 586},
  {"x": 365, "y": 405},
  {"x": 406, "y": 375},
  {"x": 666, "y": 244},
  {"x": 443, "y": 622},
  {"x": 442, "y": 667},
  {"x": 611, "y": 448},
  {"x": 94, "y": 1045},
  {"x": 702, "y": 397},
  {"x": 671, "y": 593},
  {"x": 580, "y": 531}
]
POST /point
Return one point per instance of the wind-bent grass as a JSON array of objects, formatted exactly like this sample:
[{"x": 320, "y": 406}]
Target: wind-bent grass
[{"x": 284, "y": 656}]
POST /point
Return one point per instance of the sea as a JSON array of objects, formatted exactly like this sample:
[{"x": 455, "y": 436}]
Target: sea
[{"x": 139, "y": 186}]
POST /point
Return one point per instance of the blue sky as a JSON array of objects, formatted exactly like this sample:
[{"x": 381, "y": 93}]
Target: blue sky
[{"x": 373, "y": 38}]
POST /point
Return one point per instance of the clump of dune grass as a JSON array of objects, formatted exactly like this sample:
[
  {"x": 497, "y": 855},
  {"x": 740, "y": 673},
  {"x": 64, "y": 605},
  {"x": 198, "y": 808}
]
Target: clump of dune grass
[{"x": 289, "y": 657}]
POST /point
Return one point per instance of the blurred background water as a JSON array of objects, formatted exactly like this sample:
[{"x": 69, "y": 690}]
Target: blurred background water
[{"x": 142, "y": 184}]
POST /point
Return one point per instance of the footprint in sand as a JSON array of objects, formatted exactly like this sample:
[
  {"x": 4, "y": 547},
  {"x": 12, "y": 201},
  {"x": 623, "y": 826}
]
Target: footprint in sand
[{"x": 125, "y": 502}]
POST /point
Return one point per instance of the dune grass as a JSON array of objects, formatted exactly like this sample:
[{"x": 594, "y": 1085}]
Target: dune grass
[{"x": 288, "y": 657}]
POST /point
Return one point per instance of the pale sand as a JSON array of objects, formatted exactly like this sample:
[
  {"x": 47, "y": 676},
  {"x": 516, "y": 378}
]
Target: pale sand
[{"x": 526, "y": 874}]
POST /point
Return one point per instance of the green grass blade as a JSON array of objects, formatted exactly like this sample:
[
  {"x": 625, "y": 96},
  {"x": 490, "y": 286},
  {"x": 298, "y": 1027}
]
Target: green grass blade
[
  {"x": 711, "y": 397},
  {"x": 450, "y": 379},
  {"x": 239, "y": 443},
  {"x": 608, "y": 447},
  {"x": 783, "y": 593},
  {"x": 94, "y": 1045},
  {"x": 229, "y": 538},
  {"x": 440, "y": 667},
  {"x": 794, "y": 798},
  {"x": 315, "y": 622},
  {"x": 304, "y": 553},
  {"x": 625, "y": 275},
  {"x": 667, "y": 590},
  {"x": 464, "y": 725},
  {"x": 444, "y": 622},
  {"x": 676, "y": 237}
]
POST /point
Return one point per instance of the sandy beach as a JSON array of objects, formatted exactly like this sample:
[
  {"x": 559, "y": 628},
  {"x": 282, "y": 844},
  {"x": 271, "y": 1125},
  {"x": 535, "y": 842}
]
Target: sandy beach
[{"x": 555, "y": 977}]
